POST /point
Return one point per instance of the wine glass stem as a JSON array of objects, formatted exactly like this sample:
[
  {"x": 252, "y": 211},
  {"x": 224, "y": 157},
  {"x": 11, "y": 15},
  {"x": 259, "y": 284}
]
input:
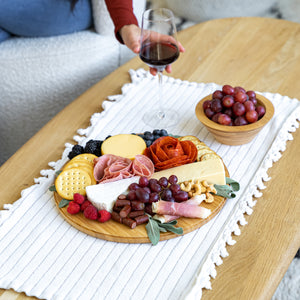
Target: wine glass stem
[{"x": 160, "y": 113}]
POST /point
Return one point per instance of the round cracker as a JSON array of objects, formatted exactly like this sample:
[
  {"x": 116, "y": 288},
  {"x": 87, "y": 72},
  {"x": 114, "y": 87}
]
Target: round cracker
[
  {"x": 191, "y": 138},
  {"x": 78, "y": 163},
  {"x": 202, "y": 152},
  {"x": 86, "y": 156},
  {"x": 209, "y": 156},
  {"x": 72, "y": 181}
]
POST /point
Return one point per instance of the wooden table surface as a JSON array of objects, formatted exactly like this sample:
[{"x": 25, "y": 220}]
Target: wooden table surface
[{"x": 256, "y": 53}]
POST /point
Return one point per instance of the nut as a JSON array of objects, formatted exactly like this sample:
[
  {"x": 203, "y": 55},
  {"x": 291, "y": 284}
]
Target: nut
[
  {"x": 186, "y": 186},
  {"x": 209, "y": 198}
]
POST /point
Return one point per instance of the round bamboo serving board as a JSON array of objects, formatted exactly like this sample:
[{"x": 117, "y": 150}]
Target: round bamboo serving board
[
  {"x": 115, "y": 232},
  {"x": 235, "y": 135}
]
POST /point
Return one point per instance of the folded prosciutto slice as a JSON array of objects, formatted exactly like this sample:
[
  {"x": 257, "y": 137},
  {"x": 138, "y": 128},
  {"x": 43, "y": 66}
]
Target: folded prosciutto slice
[
  {"x": 180, "y": 209},
  {"x": 196, "y": 200}
]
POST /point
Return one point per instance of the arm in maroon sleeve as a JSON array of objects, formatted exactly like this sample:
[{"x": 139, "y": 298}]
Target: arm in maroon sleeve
[{"x": 121, "y": 13}]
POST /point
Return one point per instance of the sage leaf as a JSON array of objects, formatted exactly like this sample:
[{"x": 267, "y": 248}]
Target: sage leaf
[
  {"x": 153, "y": 231},
  {"x": 173, "y": 222},
  {"x": 161, "y": 229},
  {"x": 169, "y": 227},
  {"x": 52, "y": 188},
  {"x": 227, "y": 189},
  {"x": 63, "y": 203},
  {"x": 234, "y": 184},
  {"x": 58, "y": 172}
]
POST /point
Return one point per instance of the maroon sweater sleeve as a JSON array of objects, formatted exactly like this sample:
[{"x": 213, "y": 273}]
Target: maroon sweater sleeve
[{"x": 121, "y": 13}]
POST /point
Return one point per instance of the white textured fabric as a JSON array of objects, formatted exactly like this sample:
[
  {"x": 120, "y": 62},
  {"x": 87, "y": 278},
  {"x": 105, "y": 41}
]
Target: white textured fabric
[{"x": 42, "y": 255}]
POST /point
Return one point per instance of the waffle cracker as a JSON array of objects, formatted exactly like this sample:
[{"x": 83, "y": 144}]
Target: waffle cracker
[{"x": 71, "y": 181}]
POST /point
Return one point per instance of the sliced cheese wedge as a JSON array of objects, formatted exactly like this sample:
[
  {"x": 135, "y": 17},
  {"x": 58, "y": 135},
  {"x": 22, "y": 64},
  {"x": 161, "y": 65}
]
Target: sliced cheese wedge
[
  {"x": 104, "y": 195},
  {"x": 211, "y": 170}
]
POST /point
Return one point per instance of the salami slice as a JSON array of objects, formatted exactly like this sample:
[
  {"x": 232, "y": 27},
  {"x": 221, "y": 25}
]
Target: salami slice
[
  {"x": 142, "y": 166},
  {"x": 168, "y": 152},
  {"x": 111, "y": 167}
]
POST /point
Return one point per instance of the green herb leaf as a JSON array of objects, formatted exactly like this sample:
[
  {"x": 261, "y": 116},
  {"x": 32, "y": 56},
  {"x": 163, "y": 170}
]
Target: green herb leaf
[
  {"x": 169, "y": 227},
  {"x": 52, "y": 188},
  {"x": 154, "y": 227},
  {"x": 58, "y": 172},
  {"x": 228, "y": 189},
  {"x": 234, "y": 184},
  {"x": 175, "y": 136},
  {"x": 63, "y": 203},
  {"x": 153, "y": 231},
  {"x": 174, "y": 222}
]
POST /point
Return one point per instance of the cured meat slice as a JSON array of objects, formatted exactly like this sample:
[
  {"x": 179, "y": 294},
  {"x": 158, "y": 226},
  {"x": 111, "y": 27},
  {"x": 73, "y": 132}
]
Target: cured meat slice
[
  {"x": 111, "y": 167},
  {"x": 196, "y": 200},
  {"x": 142, "y": 166},
  {"x": 180, "y": 209},
  {"x": 168, "y": 152}
]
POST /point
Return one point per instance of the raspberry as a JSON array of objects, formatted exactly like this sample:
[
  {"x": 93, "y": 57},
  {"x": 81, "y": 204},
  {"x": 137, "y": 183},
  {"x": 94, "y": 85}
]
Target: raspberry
[
  {"x": 73, "y": 208},
  {"x": 91, "y": 212},
  {"x": 104, "y": 215},
  {"x": 78, "y": 198},
  {"x": 85, "y": 204}
]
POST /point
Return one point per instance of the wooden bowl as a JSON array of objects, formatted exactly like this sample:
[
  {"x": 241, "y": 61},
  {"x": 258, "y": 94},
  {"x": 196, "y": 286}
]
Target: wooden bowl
[{"x": 235, "y": 135}]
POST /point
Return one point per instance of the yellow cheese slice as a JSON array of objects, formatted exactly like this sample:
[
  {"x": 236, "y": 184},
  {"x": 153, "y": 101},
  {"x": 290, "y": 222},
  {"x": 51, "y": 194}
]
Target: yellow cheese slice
[
  {"x": 211, "y": 170},
  {"x": 125, "y": 145}
]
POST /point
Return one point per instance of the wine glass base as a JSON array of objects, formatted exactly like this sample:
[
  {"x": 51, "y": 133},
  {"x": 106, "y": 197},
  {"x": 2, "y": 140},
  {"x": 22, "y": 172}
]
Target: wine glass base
[{"x": 161, "y": 120}]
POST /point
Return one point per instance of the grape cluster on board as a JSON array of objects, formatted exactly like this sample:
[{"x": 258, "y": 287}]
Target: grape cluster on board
[{"x": 233, "y": 106}]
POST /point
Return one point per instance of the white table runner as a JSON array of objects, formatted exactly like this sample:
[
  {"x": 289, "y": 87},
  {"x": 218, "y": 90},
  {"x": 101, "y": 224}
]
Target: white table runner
[{"x": 43, "y": 256}]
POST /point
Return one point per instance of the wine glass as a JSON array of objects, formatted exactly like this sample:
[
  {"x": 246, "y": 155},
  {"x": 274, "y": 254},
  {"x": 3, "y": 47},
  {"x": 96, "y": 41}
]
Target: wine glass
[{"x": 159, "y": 48}]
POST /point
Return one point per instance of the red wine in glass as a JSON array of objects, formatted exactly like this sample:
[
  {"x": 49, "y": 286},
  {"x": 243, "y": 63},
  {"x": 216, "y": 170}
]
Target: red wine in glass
[{"x": 159, "y": 54}]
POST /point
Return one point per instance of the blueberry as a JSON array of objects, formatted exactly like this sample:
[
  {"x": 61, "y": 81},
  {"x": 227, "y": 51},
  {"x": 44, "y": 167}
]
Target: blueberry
[
  {"x": 148, "y": 143},
  {"x": 163, "y": 132},
  {"x": 148, "y": 135},
  {"x": 156, "y": 132},
  {"x": 156, "y": 136}
]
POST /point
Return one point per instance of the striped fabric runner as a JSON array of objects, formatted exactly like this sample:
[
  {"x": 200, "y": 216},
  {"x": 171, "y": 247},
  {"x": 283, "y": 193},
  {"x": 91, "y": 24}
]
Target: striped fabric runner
[{"x": 43, "y": 256}]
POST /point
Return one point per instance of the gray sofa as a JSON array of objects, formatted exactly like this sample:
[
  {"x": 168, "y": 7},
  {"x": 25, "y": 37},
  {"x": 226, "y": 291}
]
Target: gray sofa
[{"x": 40, "y": 76}]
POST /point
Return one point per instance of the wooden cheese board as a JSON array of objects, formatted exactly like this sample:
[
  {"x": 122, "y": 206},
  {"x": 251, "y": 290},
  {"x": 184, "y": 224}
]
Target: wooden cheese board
[{"x": 115, "y": 232}]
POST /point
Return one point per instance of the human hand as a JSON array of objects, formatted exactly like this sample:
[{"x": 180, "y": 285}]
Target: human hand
[{"x": 131, "y": 35}]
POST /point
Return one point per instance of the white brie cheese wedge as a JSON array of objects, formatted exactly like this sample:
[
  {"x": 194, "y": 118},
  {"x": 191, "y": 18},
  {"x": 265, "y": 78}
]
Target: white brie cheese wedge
[{"x": 104, "y": 195}]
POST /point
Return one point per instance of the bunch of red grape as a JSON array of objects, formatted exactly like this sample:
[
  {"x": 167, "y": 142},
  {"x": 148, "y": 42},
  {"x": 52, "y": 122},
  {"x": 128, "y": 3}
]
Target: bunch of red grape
[
  {"x": 233, "y": 106},
  {"x": 148, "y": 191}
]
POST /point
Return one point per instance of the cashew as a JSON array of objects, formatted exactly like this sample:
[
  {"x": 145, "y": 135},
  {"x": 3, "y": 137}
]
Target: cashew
[
  {"x": 204, "y": 183},
  {"x": 196, "y": 189},
  {"x": 209, "y": 198},
  {"x": 186, "y": 186},
  {"x": 211, "y": 188}
]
